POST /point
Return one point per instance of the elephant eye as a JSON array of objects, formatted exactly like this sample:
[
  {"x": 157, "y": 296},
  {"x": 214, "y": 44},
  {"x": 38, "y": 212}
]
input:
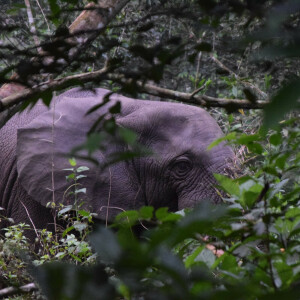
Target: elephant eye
[{"x": 182, "y": 167}]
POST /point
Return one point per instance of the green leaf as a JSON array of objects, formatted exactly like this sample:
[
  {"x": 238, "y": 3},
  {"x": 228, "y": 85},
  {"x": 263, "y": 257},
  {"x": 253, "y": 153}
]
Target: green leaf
[
  {"x": 106, "y": 245},
  {"x": 275, "y": 139},
  {"x": 172, "y": 217},
  {"x": 47, "y": 97},
  {"x": 72, "y": 162},
  {"x": 80, "y": 176},
  {"x": 146, "y": 212},
  {"x": 250, "y": 198},
  {"x": 54, "y": 7},
  {"x": 92, "y": 143},
  {"x": 293, "y": 212},
  {"x": 171, "y": 264},
  {"x": 83, "y": 191},
  {"x": 127, "y": 135},
  {"x": 285, "y": 273},
  {"x": 206, "y": 256},
  {"x": 16, "y": 7},
  {"x": 80, "y": 226},
  {"x": 228, "y": 137},
  {"x": 161, "y": 213},
  {"x": 60, "y": 255},
  {"x": 70, "y": 177},
  {"x": 82, "y": 169},
  {"x": 67, "y": 230},
  {"x": 84, "y": 213},
  {"x": 127, "y": 218},
  {"x": 250, "y": 195},
  {"x": 245, "y": 139},
  {"x": 68, "y": 281},
  {"x": 229, "y": 264},
  {"x": 228, "y": 184},
  {"x": 268, "y": 79},
  {"x": 75, "y": 257},
  {"x": 124, "y": 291},
  {"x": 280, "y": 161},
  {"x": 65, "y": 209},
  {"x": 201, "y": 254},
  {"x": 283, "y": 102},
  {"x": 272, "y": 171},
  {"x": 116, "y": 109},
  {"x": 234, "y": 91},
  {"x": 255, "y": 148},
  {"x": 190, "y": 260}
]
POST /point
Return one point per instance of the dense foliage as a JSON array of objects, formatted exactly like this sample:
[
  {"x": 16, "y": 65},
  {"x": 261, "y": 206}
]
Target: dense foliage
[{"x": 247, "y": 248}]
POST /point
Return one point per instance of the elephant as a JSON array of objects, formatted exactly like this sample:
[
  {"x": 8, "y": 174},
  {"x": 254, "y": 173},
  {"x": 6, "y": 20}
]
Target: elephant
[{"x": 178, "y": 174}]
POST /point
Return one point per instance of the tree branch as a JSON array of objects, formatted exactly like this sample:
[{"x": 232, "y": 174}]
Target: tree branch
[
  {"x": 13, "y": 290},
  {"x": 202, "y": 100},
  {"x": 52, "y": 85},
  {"x": 103, "y": 74}
]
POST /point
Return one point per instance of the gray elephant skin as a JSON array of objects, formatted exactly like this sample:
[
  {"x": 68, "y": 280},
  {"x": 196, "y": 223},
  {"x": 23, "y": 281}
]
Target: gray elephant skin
[{"x": 180, "y": 173}]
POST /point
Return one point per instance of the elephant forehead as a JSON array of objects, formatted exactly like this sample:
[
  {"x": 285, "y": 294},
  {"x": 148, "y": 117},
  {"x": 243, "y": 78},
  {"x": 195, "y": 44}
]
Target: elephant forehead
[
  {"x": 195, "y": 130},
  {"x": 180, "y": 129}
]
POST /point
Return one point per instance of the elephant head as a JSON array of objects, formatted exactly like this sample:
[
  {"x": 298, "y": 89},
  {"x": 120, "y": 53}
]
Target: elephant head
[{"x": 179, "y": 174}]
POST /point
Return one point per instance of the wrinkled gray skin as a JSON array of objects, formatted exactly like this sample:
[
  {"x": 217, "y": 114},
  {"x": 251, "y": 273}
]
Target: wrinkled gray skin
[{"x": 179, "y": 175}]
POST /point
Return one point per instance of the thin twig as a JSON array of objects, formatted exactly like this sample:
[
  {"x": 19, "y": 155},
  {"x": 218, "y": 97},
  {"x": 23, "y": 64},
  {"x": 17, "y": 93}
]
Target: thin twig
[
  {"x": 52, "y": 166},
  {"x": 109, "y": 196},
  {"x": 198, "y": 68},
  {"x": 27, "y": 212},
  {"x": 39, "y": 5},
  {"x": 198, "y": 58},
  {"x": 197, "y": 90},
  {"x": 32, "y": 25}
]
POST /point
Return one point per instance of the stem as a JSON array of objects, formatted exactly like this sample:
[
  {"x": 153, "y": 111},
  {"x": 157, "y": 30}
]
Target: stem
[{"x": 269, "y": 259}]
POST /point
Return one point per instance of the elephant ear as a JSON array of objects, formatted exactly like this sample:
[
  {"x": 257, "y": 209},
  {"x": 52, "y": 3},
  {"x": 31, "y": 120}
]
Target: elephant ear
[{"x": 42, "y": 157}]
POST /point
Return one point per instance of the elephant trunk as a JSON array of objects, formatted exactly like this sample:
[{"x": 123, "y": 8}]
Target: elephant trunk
[{"x": 206, "y": 190}]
